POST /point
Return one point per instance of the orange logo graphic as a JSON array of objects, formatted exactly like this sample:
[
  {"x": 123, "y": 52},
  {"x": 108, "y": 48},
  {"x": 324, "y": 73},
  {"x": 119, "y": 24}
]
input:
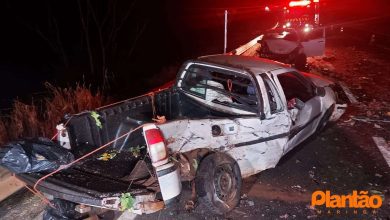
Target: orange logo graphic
[{"x": 354, "y": 200}]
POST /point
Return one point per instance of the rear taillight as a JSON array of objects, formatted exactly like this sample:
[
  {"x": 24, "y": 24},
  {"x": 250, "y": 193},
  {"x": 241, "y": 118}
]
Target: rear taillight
[{"x": 156, "y": 147}]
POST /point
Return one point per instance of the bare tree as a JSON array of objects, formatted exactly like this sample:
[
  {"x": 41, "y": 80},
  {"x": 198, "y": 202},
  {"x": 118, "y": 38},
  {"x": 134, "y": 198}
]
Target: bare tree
[
  {"x": 51, "y": 35},
  {"x": 103, "y": 26},
  {"x": 107, "y": 22}
]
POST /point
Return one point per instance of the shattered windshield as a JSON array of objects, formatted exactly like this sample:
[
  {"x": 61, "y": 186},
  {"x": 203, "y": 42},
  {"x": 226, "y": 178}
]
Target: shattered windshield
[{"x": 221, "y": 87}]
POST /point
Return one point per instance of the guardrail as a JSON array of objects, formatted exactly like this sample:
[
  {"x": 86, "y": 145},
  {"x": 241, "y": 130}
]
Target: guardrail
[{"x": 240, "y": 50}]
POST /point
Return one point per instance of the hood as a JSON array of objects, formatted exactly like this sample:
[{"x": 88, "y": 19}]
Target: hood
[{"x": 280, "y": 46}]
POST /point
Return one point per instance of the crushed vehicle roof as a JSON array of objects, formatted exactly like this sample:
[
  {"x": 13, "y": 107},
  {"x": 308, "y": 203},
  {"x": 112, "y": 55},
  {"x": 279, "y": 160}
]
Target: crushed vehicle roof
[{"x": 253, "y": 64}]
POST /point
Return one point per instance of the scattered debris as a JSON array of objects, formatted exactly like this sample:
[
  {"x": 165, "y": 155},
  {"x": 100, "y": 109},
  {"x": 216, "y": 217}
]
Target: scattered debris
[
  {"x": 160, "y": 119},
  {"x": 311, "y": 174},
  {"x": 106, "y": 156},
  {"x": 136, "y": 151},
  {"x": 239, "y": 212},
  {"x": 250, "y": 203},
  {"x": 296, "y": 187},
  {"x": 189, "y": 206},
  {"x": 312, "y": 208},
  {"x": 96, "y": 117},
  {"x": 378, "y": 175},
  {"x": 379, "y": 193},
  {"x": 246, "y": 202},
  {"x": 285, "y": 216},
  {"x": 126, "y": 201}
]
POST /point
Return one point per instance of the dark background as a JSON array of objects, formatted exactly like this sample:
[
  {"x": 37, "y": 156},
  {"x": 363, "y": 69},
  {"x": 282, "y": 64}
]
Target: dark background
[{"x": 144, "y": 41}]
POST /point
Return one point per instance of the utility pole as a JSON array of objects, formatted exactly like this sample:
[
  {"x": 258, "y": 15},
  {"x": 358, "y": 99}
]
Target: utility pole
[{"x": 225, "y": 34}]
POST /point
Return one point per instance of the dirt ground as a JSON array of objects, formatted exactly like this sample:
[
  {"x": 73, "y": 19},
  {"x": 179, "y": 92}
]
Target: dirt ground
[{"x": 341, "y": 159}]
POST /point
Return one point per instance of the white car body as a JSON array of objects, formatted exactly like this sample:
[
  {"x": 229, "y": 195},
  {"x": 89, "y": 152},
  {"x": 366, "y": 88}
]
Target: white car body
[{"x": 257, "y": 141}]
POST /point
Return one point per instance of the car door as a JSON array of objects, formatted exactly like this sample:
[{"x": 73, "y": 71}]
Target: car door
[
  {"x": 261, "y": 141},
  {"x": 304, "y": 120},
  {"x": 255, "y": 139},
  {"x": 313, "y": 42}
]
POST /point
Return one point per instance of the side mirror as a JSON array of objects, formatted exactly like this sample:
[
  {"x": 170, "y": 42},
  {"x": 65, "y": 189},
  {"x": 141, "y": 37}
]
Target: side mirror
[
  {"x": 320, "y": 91},
  {"x": 295, "y": 103}
]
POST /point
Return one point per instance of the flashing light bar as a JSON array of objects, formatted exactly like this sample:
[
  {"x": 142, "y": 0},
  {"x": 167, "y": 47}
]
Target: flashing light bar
[{"x": 299, "y": 3}]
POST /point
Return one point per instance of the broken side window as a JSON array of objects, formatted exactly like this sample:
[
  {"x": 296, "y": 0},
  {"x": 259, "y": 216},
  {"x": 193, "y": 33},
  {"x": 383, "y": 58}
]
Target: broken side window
[
  {"x": 273, "y": 95},
  {"x": 295, "y": 86},
  {"x": 221, "y": 89}
]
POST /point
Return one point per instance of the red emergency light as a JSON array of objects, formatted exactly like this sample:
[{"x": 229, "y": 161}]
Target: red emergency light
[{"x": 299, "y": 3}]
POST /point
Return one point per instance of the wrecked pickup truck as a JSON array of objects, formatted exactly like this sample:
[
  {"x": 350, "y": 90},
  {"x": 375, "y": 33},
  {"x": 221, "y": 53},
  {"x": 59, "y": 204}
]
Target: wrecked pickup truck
[{"x": 225, "y": 118}]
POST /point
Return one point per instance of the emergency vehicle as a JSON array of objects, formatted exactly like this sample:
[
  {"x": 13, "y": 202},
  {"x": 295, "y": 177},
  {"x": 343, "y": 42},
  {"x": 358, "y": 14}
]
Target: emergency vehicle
[{"x": 297, "y": 35}]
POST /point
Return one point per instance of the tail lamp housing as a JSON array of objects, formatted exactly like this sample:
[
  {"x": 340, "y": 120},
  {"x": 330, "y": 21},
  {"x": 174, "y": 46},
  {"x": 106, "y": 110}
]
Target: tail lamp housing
[{"x": 156, "y": 147}]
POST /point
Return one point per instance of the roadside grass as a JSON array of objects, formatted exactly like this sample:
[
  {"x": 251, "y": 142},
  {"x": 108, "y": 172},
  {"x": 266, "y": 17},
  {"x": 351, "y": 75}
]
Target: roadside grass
[{"x": 39, "y": 118}]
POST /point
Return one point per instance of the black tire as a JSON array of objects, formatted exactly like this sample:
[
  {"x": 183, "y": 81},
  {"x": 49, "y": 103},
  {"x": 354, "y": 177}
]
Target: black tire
[
  {"x": 324, "y": 120},
  {"x": 300, "y": 61},
  {"x": 64, "y": 210},
  {"x": 218, "y": 183}
]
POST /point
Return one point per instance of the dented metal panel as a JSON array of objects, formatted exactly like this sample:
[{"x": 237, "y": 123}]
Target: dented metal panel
[{"x": 255, "y": 144}]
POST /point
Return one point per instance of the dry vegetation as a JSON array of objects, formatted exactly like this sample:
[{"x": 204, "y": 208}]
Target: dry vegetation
[{"x": 40, "y": 117}]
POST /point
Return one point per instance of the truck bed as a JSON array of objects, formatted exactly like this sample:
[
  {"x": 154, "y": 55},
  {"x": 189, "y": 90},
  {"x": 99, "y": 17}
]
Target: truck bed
[{"x": 91, "y": 181}]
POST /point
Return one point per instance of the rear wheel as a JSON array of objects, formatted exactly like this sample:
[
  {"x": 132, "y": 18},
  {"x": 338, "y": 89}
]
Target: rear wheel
[{"x": 218, "y": 183}]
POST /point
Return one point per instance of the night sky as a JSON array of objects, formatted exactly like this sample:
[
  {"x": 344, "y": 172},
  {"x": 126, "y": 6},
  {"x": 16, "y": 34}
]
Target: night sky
[{"x": 144, "y": 41}]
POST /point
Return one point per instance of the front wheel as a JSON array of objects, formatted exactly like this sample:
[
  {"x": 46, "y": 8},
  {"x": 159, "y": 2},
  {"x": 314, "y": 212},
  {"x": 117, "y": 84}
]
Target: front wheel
[{"x": 218, "y": 183}]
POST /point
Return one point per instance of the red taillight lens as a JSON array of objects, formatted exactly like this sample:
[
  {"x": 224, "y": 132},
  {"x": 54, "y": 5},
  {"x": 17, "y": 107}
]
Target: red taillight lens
[
  {"x": 153, "y": 136},
  {"x": 156, "y": 146}
]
